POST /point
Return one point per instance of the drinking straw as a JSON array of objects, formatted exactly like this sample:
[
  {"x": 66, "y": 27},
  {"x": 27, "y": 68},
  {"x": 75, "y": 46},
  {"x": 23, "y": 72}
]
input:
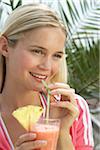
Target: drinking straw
[
  {"x": 29, "y": 123},
  {"x": 48, "y": 100}
]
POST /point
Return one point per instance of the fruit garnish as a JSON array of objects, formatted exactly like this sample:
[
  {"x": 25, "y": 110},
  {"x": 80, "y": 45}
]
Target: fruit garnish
[{"x": 28, "y": 115}]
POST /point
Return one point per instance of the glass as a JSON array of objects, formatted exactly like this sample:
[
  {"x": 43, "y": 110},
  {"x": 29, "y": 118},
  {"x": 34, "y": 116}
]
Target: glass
[{"x": 47, "y": 130}]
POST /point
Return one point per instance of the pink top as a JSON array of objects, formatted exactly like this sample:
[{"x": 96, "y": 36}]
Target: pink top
[
  {"x": 5, "y": 141},
  {"x": 81, "y": 130}
]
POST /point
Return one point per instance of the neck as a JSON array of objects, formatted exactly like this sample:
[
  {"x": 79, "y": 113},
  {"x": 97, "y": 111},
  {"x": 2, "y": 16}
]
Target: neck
[{"x": 11, "y": 101}]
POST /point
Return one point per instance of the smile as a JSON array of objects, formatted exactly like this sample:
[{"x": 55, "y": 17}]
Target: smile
[{"x": 41, "y": 77}]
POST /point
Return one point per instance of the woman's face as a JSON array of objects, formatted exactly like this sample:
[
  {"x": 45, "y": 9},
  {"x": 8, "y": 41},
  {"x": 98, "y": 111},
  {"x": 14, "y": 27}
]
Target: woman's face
[{"x": 36, "y": 57}]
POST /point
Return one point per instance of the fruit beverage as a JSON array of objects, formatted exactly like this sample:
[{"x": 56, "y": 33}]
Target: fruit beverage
[{"x": 49, "y": 131}]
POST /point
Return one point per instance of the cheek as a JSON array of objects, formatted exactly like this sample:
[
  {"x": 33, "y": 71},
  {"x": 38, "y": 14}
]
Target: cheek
[
  {"x": 55, "y": 68},
  {"x": 21, "y": 63},
  {"x": 26, "y": 61}
]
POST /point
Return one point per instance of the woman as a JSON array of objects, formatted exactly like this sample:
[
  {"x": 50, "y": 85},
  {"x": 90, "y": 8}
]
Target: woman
[{"x": 32, "y": 50}]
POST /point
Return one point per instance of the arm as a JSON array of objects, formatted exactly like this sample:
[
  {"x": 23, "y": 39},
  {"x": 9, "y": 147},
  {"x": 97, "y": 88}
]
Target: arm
[
  {"x": 65, "y": 141},
  {"x": 84, "y": 136},
  {"x": 67, "y": 111}
]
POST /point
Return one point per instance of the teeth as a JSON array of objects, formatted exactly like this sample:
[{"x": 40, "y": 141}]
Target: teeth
[{"x": 39, "y": 76}]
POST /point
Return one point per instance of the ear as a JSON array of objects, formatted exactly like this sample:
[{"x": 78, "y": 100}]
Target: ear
[{"x": 3, "y": 46}]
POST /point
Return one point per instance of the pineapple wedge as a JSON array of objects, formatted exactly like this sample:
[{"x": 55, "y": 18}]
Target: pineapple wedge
[{"x": 28, "y": 115}]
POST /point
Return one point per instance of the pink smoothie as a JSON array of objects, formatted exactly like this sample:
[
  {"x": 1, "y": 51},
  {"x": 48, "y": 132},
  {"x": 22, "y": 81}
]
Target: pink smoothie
[{"x": 47, "y": 132}]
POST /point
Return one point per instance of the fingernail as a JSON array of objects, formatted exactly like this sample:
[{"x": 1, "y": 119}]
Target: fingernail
[
  {"x": 32, "y": 134},
  {"x": 44, "y": 142},
  {"x": 55, "y": 92},
  {"x": 51, "y": 85}
]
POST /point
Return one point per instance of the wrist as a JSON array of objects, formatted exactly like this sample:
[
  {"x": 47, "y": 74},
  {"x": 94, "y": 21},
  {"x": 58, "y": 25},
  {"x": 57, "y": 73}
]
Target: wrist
[{"x": 65, "y": 140}]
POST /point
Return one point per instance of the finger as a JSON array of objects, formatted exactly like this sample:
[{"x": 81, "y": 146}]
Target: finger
[
  {"x": 73, "y": 109},
  {"x": 58, "y": 85},
  {"x": 69, "y": 94},
  {"x": 55, "y": 86},
  {"x": 32, "y": 145},
  {"x": 25, "y": 137}
]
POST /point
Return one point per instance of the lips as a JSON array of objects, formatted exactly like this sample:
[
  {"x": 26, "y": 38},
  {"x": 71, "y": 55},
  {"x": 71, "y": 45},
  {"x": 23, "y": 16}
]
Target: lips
[{"x": 38, "y": 76}]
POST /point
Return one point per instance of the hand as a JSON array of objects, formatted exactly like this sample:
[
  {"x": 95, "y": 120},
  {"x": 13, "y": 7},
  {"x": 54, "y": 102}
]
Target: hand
[
  {"x": 67, "y": 108},
  {"x": 28, "y": 142}
]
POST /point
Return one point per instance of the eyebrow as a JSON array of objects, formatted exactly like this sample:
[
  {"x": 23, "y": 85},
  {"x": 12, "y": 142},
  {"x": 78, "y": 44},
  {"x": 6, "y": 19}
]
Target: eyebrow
[{"x": 60, "y": 52}]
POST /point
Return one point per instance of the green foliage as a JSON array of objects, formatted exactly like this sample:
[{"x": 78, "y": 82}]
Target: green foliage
[
  {"x": 84, "y": 69},
  {"x": 0, "y": 12},
  {"x": 11, "y": 4},
  {"x": 83, "y": 45}
]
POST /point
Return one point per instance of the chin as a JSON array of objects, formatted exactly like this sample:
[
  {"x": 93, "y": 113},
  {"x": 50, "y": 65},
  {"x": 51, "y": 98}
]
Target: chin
[{"x": 38, "y": 89}]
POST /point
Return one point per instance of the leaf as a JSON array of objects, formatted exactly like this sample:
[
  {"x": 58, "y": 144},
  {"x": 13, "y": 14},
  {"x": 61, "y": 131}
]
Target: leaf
[{"x": 83, "y": 21}]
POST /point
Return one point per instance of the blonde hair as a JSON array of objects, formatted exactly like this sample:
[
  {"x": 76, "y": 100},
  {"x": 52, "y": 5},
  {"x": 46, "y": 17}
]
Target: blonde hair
[{"x": 31, "y": 16}]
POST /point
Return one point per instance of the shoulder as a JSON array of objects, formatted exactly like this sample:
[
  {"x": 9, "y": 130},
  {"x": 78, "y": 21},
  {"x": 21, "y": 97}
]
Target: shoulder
[
  {"x": 80, "y": 99},
  {"x": 84, "y": 113},
  {"x": 82, "y": 125},
  {"x": 84, "y": 118},
  {"x": 82, "y": 104}
]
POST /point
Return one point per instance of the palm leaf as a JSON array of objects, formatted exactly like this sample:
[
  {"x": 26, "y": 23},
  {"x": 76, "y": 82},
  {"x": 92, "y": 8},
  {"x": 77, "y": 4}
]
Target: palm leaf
[
  {"x": 83, "y": 45},
  {"x": 0, "y": 12},
  {"x": 12, "y": 4},
  {"x": 87, "y": 19},
  {"x": 84, "y": 69}
]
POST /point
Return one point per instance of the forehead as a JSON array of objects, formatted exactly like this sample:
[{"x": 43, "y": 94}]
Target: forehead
[
  {"x": 41, "y": 31},
  {"x": 45, "y": 36}
]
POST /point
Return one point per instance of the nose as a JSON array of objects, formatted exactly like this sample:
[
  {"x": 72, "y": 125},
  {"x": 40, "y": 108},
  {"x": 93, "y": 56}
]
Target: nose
[{"x": 46, "y": 63}]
